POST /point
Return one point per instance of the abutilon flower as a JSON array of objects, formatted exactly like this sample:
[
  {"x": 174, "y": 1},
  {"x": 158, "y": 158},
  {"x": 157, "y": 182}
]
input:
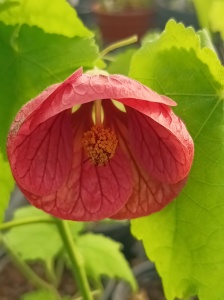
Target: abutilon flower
[{"x": 98, "y": 161}]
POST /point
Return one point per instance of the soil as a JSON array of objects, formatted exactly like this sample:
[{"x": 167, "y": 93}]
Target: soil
[
  {"x": 152, "y": 290},
  {"x": 13, "y": 285}
]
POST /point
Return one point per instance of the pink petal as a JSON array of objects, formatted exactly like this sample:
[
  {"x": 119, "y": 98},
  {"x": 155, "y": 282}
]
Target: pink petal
[
  {"x": 160, "y": 143},
  {"x": 81, "y": 88},
  {"x": 90, "y": 193},
  {"x": 38, "y": 107},
  {"x": 149, "y": 194},
  {"x": 37, "y": 153},
  {"x": 41, "y": 159}
]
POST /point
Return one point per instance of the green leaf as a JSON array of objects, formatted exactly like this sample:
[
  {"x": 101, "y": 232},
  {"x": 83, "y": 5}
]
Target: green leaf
[
  {"x": 7, "y": 4},
  {"x": 148, "y": 64},
  {"x": 41, "y": 295},
  {"x": 121, "y": 62},
  {"x": 37, "y": 241},
  {"x": 216, "y": 17},
  {"x": 52, "y": 16},
  {"x": 186, "y": 239},
  {"x": 210, "y": 14},
  {"x": 6, "y": 186},
  {"x": 203, "y": 8},
  {"x": 150, "y": 36},
  {"x": 76, "y": 228},
  {"x": 27, "y": 212},
  {"x": 31, "y": 60},
  {"x": 102, "y": 256},
  {"x": 206, "y": 39},
  {"x": 31, "y": 241}
]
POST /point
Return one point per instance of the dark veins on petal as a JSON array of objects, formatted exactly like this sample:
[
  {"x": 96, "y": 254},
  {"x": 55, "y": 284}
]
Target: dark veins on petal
[
  {"x": 149, "y": 195},
  {"x": 42, "y": 158},
  {"x": 89, "y": 193}
]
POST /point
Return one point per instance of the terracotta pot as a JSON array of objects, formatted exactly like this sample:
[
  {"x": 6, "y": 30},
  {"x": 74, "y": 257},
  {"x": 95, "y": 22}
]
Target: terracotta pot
[{"x": 120, "y": 25}]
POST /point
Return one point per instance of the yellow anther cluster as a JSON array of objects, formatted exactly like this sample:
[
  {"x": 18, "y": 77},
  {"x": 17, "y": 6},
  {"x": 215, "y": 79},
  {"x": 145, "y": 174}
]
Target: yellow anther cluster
[{"x": 99, "y": 144}]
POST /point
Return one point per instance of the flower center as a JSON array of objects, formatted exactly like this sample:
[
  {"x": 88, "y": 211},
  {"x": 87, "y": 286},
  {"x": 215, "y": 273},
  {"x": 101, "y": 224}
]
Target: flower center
[{"x": 99, "y": 144}]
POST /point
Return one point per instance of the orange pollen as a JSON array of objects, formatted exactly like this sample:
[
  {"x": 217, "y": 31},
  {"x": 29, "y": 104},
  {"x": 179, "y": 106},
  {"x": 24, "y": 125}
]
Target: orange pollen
[{"x": 99, "y": 144}]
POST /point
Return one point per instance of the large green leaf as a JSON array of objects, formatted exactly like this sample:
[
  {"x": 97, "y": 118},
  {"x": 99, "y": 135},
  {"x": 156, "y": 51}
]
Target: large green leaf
[
  {"x": 210, "y": 14},
  {"x": 102, "y": 256},
  {"x": 6, "y": 185},
  {"x": 216, "y": 17},
  {"x": 52, "y": 16},
  {"x": 186, "y": 239},
  {"x": 27, "y": 212},
  {"x": 37, "y": 241},
  {"x": 203, "y": 8},
  {"x": 6, "y": 4},
  {"x": 31, "y": 60},
  {"x": 31, "y": 211}
]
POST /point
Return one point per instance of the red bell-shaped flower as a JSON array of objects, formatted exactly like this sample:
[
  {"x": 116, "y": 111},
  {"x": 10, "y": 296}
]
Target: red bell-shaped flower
[{"x": 76, "y": 165}]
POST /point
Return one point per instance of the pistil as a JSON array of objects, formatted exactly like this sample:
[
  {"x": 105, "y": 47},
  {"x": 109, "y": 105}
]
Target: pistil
[
  {"x": 99, "y": 143},
  {"x": 97, "y": 105}
]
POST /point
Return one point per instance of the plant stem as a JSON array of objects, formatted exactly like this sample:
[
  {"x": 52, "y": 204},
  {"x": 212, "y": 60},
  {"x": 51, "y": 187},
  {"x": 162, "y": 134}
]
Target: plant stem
[
  {"x": 119, "y": 44},
  {"x": 76, "y": 260},
  {"x": 59, "y": 270},
  {"x": 25, "y": 221},
  {"x": 50, "y": 272},
  {"x": 28, "y": 272}
]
